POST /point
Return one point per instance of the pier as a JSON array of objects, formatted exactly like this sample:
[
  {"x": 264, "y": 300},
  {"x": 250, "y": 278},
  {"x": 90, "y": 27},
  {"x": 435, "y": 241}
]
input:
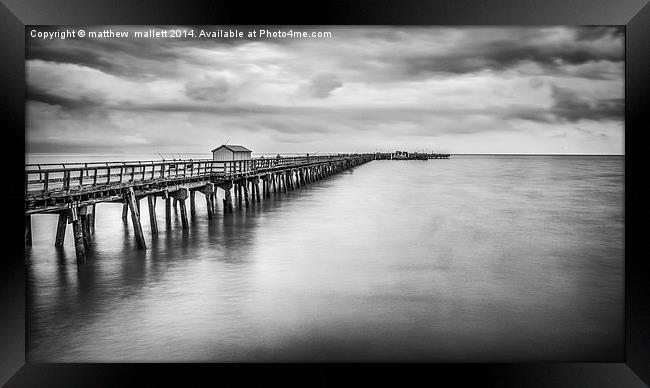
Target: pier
[
  {"x": 402, "y": 155},
  {"x": 73, "y": 190}
]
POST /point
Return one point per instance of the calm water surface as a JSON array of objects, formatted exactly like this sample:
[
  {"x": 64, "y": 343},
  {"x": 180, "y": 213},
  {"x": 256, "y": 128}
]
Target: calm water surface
[{"x": 474, "y": 258}]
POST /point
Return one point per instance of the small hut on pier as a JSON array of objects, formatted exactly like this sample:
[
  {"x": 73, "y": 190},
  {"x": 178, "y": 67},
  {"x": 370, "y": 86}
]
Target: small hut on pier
[{"x": 232, "y": 153}]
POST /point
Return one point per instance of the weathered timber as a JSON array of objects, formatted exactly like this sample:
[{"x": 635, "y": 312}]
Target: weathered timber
[
  {"x": 192, "y": 201},
  {"x": 77, "y": 229},
  {"x": 227, "y": 198},
  {"x": 209, "y": 190},
  {"x": 152, "y": 215},
  {"x": 60, "y": 229},
  {"x": 239, "y": 195},
  {"x": 92, "y": 216},
  {"x": 28, "y": 230},
  {"x": 245, "y": 184},
  {"x": 180, "y": 196},
  {"x": 84, "y": 215},
  {"x": 135, "y": 219},
  {"x": 125, "y": 210}
]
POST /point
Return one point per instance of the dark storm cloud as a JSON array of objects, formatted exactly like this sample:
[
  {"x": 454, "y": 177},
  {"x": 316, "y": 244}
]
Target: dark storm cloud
[
  {"x": 523, "y": 46},
  {"x": 570, "y": 106},
  {"x": 33, "y": 94},
  {"x": 131, "y": 58}
]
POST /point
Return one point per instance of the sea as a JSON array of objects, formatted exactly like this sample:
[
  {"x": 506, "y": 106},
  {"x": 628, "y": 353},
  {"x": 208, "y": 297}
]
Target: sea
[{"x": 500, "y": 258}]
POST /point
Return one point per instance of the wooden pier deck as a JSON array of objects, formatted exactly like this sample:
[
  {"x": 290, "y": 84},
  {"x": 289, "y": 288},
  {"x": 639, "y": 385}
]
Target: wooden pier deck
[{"x": 72, "y": 190}]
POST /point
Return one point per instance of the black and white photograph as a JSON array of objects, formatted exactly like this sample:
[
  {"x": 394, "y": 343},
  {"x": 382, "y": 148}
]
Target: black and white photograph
[{"x": 324, "y": 193}]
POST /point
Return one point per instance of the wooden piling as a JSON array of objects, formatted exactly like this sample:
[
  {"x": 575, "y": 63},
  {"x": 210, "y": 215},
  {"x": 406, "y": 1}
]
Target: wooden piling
[
  {"x": 85, "y": 229},
  {"x": 263, "y": 187},
  {"x": 192, "y": 201},
  {"x": 152, "y": 215},
  {"x": 28, "y": 230},
  {"x": 268, "y": 186},
  {"x": 84, "y": 215},
  {"x": 77, "y": 229},
  {"x": 252, "y": 189},
  {"x": 256, "y": 188},
  {"x": 135, "y": 219},
  {"x": 246, "y": 194},
  {"x": 125, "y": 210},
  {"x": 239, "y": 195},
  {"x": 227, "y": 200},
  {"x": 168, "y": 212},
  {"x": 209, "y": 189},
  {"x": 92, "y": 216},
  {"x": 180, "y": 196},
  {"x": 274, "y": 185},
  {"x": 60, "y": 229}
]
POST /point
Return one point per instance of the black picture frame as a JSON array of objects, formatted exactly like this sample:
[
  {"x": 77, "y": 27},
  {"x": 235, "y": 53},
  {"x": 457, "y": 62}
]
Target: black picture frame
[{"x": 633, "y": 371}]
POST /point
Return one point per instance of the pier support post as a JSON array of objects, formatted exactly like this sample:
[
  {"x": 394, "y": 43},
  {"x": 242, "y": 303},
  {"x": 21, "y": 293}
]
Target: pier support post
[
  {"x": 28, "y": 230},
  {"x": 263, "y": 187},
  {"x": 192, "y": 201},
  {"x": 256, "y": 188},
  {"x": 125, "y": 210},
  {"x": 60, "y": 229},
  {"x": 92, "y": 216},
  {"x": 209, "y": 190},
  {"x": 152, "y": 215},
  {"x": 77, "y": 229},
  {"x": 168, "y": 208},
  {"x": 135, "y": 218},
  {"x": 268, "y": 186},
  {"x": 274, "y": 185},
  {"x": 246, "y": 193},
  {"x": 180, "y": 196},
  {"x": 84, "y": 215},
  {"x": 227, "y": 197},
  {"x": 168, "y": 212},
  {"x": 239, "y": 194}
]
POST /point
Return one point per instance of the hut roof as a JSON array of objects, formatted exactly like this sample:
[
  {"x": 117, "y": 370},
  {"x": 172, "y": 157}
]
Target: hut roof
[{"x": 233, "y": 148}]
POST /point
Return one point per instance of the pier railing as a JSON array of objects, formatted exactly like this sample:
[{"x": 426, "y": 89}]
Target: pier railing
[{"x": 45, "y": 178}]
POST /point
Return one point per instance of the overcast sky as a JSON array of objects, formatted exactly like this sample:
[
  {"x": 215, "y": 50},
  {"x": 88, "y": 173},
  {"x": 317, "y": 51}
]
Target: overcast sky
[{"x": 458, "y": 90}]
